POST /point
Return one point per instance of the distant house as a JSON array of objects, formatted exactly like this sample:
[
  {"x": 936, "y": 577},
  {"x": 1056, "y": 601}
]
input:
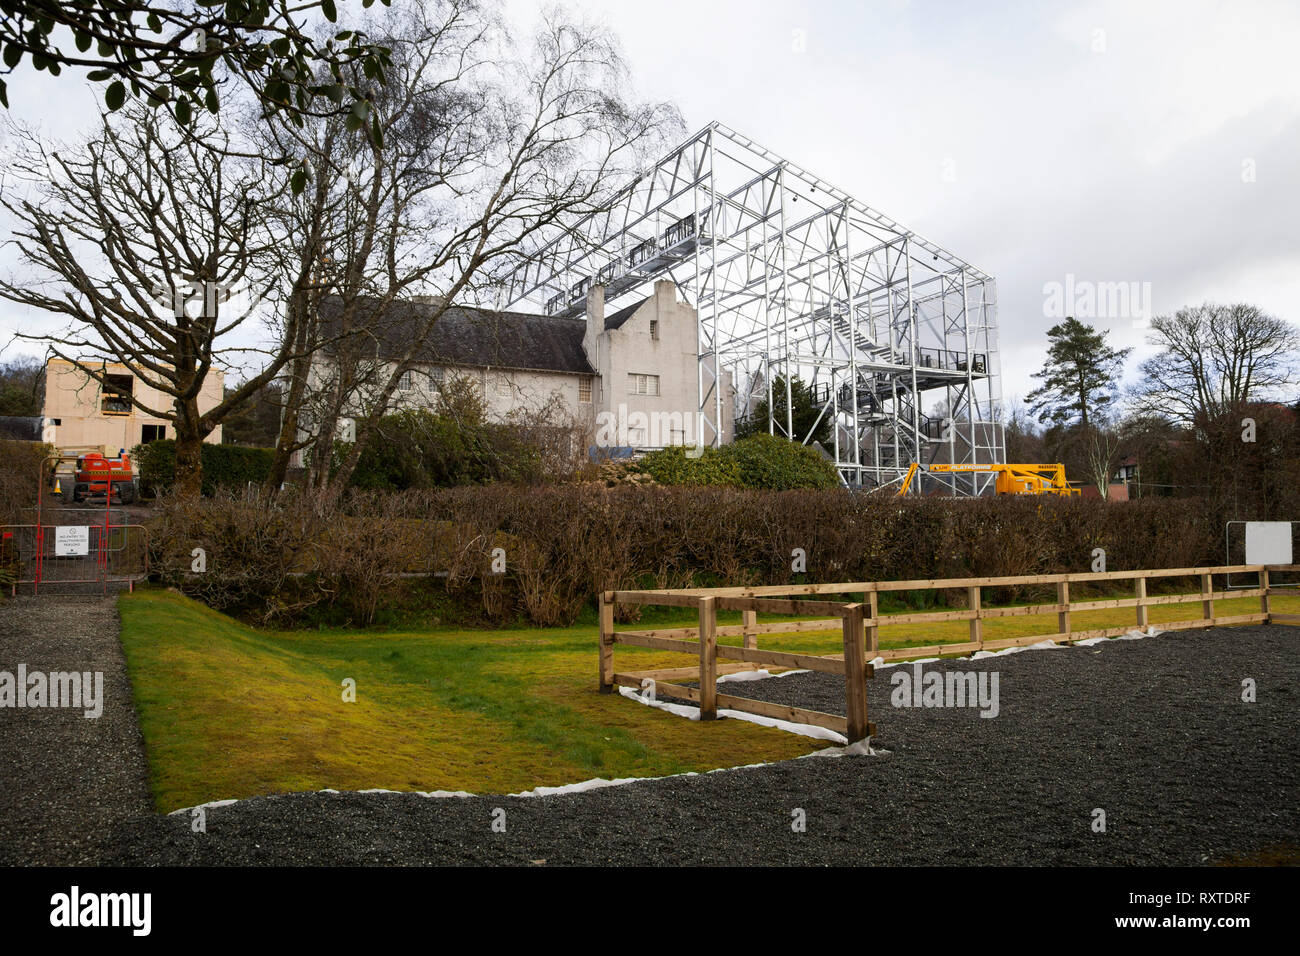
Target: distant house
[
  {"x": 1126, "y": 472},
  {"x": 628, "y": 379},
  {"x": 81, "y": 414}
]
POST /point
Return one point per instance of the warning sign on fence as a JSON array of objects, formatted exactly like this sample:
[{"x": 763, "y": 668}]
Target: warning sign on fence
[{"x": 71, "y": 541}]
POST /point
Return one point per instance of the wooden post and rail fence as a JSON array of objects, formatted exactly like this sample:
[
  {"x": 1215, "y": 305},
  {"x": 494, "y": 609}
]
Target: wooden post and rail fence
[{"x": 859, "y": 622}]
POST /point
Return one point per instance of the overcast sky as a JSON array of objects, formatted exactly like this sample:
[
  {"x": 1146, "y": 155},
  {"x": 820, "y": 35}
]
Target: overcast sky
[{"x": 1156, "y": 143}]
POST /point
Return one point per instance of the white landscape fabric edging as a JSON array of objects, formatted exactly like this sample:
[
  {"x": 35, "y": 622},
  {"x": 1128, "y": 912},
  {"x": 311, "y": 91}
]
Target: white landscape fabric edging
[
  {"x": 1133, "y": 635},
  {"x": 693, "y": 713},
  {"x": 841, "y": 746}
]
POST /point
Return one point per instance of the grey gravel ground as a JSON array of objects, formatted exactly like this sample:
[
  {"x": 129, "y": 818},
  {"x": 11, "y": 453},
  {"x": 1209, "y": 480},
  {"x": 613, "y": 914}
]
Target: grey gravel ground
[
  {"x": 66, "y": 780},
  {"x": 1152, "y": 731}
]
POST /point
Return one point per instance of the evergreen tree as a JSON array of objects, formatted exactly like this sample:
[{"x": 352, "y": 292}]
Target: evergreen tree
[
  {"x": 805, "y": 413},
  {"x": 1079, "y": 376}
]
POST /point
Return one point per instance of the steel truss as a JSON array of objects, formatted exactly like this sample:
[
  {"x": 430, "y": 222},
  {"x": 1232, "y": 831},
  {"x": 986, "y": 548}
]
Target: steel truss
[{"x": 793, "y": 278}]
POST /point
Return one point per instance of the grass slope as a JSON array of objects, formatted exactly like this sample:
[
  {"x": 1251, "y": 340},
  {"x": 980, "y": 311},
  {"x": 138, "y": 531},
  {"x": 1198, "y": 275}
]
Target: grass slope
[{"x": 230, "y": 711}]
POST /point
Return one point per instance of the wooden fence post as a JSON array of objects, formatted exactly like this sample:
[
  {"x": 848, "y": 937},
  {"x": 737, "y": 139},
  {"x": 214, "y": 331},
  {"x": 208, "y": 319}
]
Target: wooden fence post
[
  {"x": 873, "y": 632},
  {"x": 1140, "y": 592},
  {"x": 708, "y": 659},
  {"x": 1263, "y": 598},
  {"x": 976, "y": 624},
  {"x": 750, "y": 621},
  {"x": 1063, "y": 616},
  {"x": 1207, "y": 604},
  {"x": 855, "y": 674},
  {"x": 607, "y": 642}
]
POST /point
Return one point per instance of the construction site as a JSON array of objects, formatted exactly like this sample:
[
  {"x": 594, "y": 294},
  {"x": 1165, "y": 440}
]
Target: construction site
[{"x": 792, "y": 278}]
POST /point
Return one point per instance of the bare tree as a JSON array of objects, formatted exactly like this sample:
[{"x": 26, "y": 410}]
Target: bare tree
[
  {"x": 1101, "y": 451},
  {"x": 1024, "y": 442},
  {"x": 1213, "y": 361},
  {"x": 484, "y": 149},
  {"x": 151, "y": 245},
  {"x": 365, "y": 190}
]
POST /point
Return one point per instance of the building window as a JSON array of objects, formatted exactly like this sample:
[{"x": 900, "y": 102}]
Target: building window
[
  {"x": 643, "y": 384},
  {"x": 436, "y": 374},
  {"x": 406, "y": 381},
  {"x": 117, "y": 391},
  {"x": 150, "y": 433},
  {"x": 584, "y": 391},
  {"x": 654, "y": 329}
]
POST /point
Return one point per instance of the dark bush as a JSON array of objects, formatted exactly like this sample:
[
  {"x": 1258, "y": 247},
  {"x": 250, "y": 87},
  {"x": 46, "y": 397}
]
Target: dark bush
[
  {"x": 417, "y": 449},
  {"x": 20, "y": 464},
  {"x": 224, "y": 466},
  {"x": 274, "y": 561},
  {"x": 455, "y": 444}
]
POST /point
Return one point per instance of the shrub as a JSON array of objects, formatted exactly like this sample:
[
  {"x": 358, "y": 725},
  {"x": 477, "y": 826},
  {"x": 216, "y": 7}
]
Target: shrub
[
  {"x": 760, "y": 461},
  {"x": 419, "y": 449},
  {"x": 251, "y": 553},
  {"x": 20, "y": 464},
  {"x": 765, "y": 461},
  {"x": 224, "y": 466},
  {"x": 673, "y": 466}
]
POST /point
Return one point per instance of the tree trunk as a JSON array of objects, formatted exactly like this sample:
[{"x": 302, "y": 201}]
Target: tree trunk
[
  {"x": 339, "y": 481},
  {"x": 188, "y": 482},
  {"x": 190, "y": 432},
  {"x": 283, "y": 450},
  {"x": 287, "y": 441},
  {"x": 322, "y": 452},
  {"x": 333, "y": 486}
]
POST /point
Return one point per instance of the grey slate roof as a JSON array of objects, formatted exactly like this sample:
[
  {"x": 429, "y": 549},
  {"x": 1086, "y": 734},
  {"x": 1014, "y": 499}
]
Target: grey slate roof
[
  {"x": 471, "y": 337},
  {"x": 622, "y": 315}
]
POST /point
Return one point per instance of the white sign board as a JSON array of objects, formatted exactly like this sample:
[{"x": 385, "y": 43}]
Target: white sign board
[
  {"x": 71, "y": 541},
  {"x": 1268, "y": 542}
]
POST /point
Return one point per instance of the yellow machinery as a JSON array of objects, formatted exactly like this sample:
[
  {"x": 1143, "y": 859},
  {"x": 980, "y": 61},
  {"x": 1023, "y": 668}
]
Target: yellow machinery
[{"x": 1011, "y": 479}]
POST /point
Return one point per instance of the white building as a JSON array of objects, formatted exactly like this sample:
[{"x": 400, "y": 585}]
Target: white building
[{"x": 630, "y": 379}]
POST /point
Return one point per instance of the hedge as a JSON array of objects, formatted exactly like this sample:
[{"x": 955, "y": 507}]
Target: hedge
[
  {"x": 565, "y": 543},
  {"x": 224, "y": 466}
]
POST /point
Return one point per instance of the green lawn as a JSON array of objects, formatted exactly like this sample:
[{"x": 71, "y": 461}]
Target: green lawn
[{"x": 230, "y": 711}]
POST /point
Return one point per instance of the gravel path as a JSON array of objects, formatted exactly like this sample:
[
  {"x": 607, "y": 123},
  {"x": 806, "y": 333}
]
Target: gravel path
[
  {"x": 1152, "y": 731},
  {"x": 66, "y": 780}
]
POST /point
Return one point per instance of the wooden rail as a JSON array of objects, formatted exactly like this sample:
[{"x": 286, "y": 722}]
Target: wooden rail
[
  {"x": 859, "y": 623},
  {"x": 702, "y": 640}
]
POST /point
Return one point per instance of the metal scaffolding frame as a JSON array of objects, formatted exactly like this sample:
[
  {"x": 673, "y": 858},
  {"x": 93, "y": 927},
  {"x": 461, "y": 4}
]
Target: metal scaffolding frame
[{"x": 793, "y": 278}]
